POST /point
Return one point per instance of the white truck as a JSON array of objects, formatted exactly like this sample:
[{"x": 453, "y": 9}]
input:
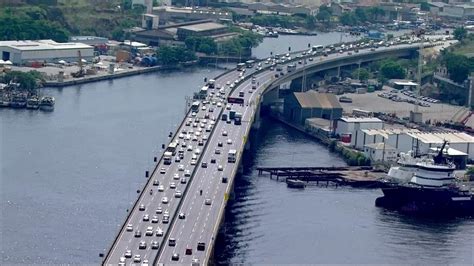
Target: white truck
[{"x": 232, "y": 156}]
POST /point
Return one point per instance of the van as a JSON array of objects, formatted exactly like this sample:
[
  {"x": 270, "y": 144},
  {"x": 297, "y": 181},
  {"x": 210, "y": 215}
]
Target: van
[
  {"x": 241, "y": 94},
  {"x": 172, "y": 242}
]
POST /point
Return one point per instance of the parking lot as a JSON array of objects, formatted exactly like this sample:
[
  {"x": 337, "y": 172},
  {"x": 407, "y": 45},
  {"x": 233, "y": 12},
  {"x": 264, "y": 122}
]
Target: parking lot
[{"x": 373, "y": 102}]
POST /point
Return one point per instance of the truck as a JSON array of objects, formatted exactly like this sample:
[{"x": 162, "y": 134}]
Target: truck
[
  {"x": 211, "y": 83},
  {"x": 231, "y": 114},
  {"x": 238, "y": 119},
  {"x": 168, "y": 157},
  {"x": 232, "y": 156}
]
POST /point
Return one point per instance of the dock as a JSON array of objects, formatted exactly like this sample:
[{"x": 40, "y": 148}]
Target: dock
[{"x": 360, "y": 176}]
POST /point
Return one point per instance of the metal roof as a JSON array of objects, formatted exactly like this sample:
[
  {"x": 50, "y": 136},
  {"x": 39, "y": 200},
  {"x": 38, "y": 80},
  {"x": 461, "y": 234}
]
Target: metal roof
[
  {"x": 204, "y": 26},
  {"x": 43, "y": 45},
  {"x": 361, "y": 119},
  {"x": 379, "y": 146},
  {"x": 440, "y": 137},
  {"x": 313, "y": 99}
]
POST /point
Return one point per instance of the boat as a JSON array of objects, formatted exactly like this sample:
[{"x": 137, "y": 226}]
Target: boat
[
  {"x": 33, "y": 102},
  {"x": 47, "y": 103},
  {"x": 295, "y": 183},
  {"x": 5, "y": 100},
  {"x": 18, "y": 100},
  {"x": 426, "y": 186}
]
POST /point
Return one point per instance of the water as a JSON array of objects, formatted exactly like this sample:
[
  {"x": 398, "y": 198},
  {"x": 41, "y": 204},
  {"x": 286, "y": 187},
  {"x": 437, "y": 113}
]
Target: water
[
  {"x": 268, "y": 223},
  {"x": 68, "y": 176}
]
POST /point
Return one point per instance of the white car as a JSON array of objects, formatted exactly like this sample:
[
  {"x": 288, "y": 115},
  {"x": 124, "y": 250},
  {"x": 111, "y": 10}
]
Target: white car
[
  {"x": 220, "y": 168},
  {"x": 129, "y": 227},
  {"x": 197, "y": 151},
  {"x": 187, "y": 173},
  {"x": 190, "y": 147},
  {"x": 164, "y": 200},
  {"x": 180, "y": 167},
  {"x": 178, "y": 194},
  {"x": 229, "y": 141},
  {"x": 172, "y": 185},
  {"x": 224, "y": 133},
  {"x": 159, "y": 232},
  {"x": 137, "y": 258},
  {"x": 161, "y": 188},
  {"x": 176, "y": 176},
  {"x": 162, "y": 170},
  {"x": 193, "y": 162}
]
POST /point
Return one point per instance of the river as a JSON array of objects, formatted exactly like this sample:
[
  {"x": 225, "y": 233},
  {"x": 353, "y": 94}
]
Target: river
[{"x": 67, "y": 178}]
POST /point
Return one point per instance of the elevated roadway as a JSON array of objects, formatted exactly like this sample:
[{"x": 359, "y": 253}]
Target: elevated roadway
[{"x": 204, "y": 195}]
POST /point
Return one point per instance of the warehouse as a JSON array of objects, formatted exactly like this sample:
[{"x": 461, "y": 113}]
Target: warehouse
[
  {"x": 43, "y": 51},
  {"x": 209, "y": 29},
  {"x": 299, "y": 106},
  {"x": 349, "y": 125}
]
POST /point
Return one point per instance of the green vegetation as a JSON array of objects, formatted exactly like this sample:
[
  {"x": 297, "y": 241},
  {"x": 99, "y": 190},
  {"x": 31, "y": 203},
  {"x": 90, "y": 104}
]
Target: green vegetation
[
  {"x": 460, "y": 33},
  {"x": 172, "y": 55},
  {"x": 324, "y": 14},
  {"x": 352, "y": 158},
  {"x": 28, "y": 80},
  {"x": 241, "y": 44},
  {"x": 361, "y": 74},
  {"x": 201, "y": 44},
  {"x": 459, "y": 66},
  {"x": 277, "y": 21},
  {"x": 361, "y": 15},
  {"x": 69, "y": 17},
  {"x": 390, "y": 69}
]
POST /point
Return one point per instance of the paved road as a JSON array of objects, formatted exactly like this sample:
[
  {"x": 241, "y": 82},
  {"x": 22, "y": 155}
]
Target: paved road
[{"x": 200, "y": 224}]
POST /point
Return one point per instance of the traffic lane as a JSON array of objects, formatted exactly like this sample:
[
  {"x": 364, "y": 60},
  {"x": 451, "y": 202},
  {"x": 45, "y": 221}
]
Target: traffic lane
[
  {"x": 150, "y": 200},
  {"x": 201, "y": 177}
]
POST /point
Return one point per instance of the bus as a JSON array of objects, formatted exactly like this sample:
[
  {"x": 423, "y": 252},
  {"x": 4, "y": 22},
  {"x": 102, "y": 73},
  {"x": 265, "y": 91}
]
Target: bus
[
  {"x": 235, "y": 100},
  {"x": 249, "y": 63},
  {"x": 291, "y": 67},
  {"x": 240, "y": 66},
  {"x": 362, "y": 113},
  {"x": 211, "y": 83},
  {"x": 232, "y": 156},
  {"x": 172, "y": 148},
  {"x": 195, "y": 106},
  {"x": 317, "y": 48}
]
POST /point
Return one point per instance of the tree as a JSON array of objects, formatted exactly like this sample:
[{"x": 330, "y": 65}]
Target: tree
[
  {"x": 28, "y": 80},
  {"x": 361, "y": 74},
  {"x": 424, "y": 6},
  {"x": 460, "y": 33},
  {"x": 348, "y": 19},
  {"x": 361, "y": 14},
  {"x": 389, "y": 37},
  {"x": 323, "y": 16},
  {"x": 459, "y": 72},
  {"x": 172, "y": 55},
  {"x": 392, "y": 70}
]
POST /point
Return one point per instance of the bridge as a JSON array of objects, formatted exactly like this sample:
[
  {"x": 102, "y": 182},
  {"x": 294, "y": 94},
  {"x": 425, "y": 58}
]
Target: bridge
[{"x": 196, "y": 189}]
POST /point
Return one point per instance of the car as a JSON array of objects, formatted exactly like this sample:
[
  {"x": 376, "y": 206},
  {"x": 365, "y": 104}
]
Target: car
[
  {"x": 220, "y": 168},
  {"x": 228, "y": 107},
  {"x": 213, "y": 160},
  {"x": 176, "y": 176},
  {"x": 227, "y": 83},
  {"x": 190, "y": 147},
  {"x": 224, "y": 133},
  {"x": 277, "y": 75},
  {"x": 137, "y": 258},
  {"x": 175, "y": 257},
  {"x": 178, "y": 194},
  {"x": 181, "y": 136},
  {"x": 201, "y": 246},
  {"x": 204, "y": 137},
  {"x": 200, "y": 143},
  {"x": 156, "y": 182},
  {"x": 159, "y": 232},
  {"x": 172, "y": 185},
  {"x": 161, "y": 188},
  {"x": 180, "y": 167},
  {"x": 164, "y": 200},
  {"x": 159, "y": 210},
  {"x": 177, "y": 159},
  {"x": 146, "y": 218},
  {"x": 166, "y": 219},
  {"x": 189, "y": 251},
  {"x": 217, "y": 151},
  {"x": 224, "y": 179},
  {"x": 183, "y": 180},
  {"x": 187, "y": 173},
  {"x": 162, "y": 170},
  {"x": 141, "y": 207},
  {"x": 138, "y": 233},
  {"x": 154, "y": 219},
  {"x": 208, "y": 201},
  {"x": 154, "y": 244},
  {"x": 172, "y": 242},
  {"x": 229, "y": 141},
  {"x": 181, "y": 216},
  {"x": 195, "y": 262},
  {"x": 142, "y": 245},
  {"x": 122, "y": 261},
  {"x": 204, "y": 165},
  {"x": 128, "y": 253},
  {"x": 129, "y": 227},
  {"x": 219, "y": 144},
  {"x": 149, "y": 231},
  {"x": 193, "y": 162}
]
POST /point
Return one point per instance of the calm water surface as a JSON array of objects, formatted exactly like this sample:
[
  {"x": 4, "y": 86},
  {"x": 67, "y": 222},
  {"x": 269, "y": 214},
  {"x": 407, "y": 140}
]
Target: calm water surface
[{"x": 68, "y": 176}]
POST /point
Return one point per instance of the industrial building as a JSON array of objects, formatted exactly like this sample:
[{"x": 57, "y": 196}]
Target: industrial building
[
  {"x": 208, "y": 29},
  {"x": 43, "y": 51},
  {"x": 378, "y": 152},
  {"x": 346, "y": 126},
  {"x": 177, "y": 14},
  {"x": 299, "y": 106}
]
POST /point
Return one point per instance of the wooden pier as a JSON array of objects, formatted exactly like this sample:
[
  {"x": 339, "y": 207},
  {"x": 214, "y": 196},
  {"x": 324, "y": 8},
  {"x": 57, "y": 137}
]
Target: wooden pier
[{"x": 361, "y": 176}]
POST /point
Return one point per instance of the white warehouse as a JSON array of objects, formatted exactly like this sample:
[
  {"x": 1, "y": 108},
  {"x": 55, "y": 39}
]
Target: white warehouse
[
  {"x": 23, "y": 52},
  {"x": 349, "y": 126}
]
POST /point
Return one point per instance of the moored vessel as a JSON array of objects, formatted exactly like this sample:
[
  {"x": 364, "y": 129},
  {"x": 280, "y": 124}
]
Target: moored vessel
[
  {"x": 33, "y": 102},
  {"x": 47, "y": 103}
]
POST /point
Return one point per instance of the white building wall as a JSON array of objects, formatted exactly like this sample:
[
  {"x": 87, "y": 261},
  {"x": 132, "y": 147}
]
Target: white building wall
[
  {"x": 53, "y": 54},
  {"x": 377, "y": 155}
]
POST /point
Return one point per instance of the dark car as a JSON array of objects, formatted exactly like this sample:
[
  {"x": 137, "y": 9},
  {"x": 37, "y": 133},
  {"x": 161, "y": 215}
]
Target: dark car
[
  {"x": 201, "y": 246},
  {"x": 189, "y": 251}
]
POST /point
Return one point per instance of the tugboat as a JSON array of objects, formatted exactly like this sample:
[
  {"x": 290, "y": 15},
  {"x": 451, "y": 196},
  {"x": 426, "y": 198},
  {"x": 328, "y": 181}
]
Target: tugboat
[
  {"x": 432, "y": 189},
  {"x": 47, "y": 103},
  {"x": 33, "y": 102}
]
